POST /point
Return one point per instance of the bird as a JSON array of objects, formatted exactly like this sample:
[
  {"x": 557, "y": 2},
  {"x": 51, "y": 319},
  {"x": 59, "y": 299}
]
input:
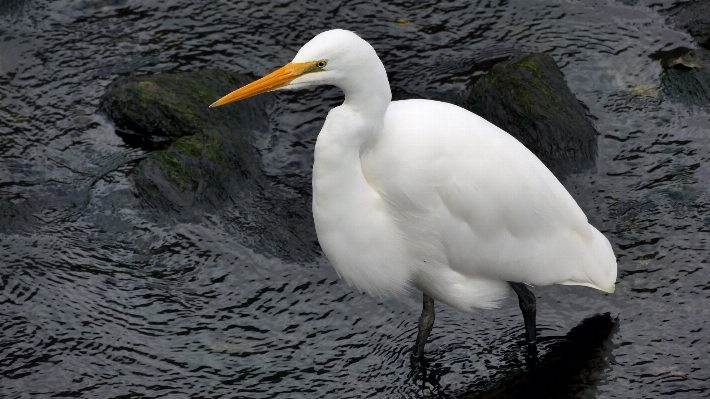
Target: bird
[{"x": 421, "y": 194}]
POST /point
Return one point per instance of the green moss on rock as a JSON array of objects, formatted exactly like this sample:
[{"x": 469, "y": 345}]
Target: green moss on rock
[
  {"x": 208, "y": 145},
  {"x": 528, "y": 63},
  {"x": 201, "y": 146},
  {"x": 686, "y": 78},
  {"x": 210, "y": 163},
  {"x": 169, "y": 105},
  {"x": 179, "y": 172},
  {"x": 528, "y": 98}
]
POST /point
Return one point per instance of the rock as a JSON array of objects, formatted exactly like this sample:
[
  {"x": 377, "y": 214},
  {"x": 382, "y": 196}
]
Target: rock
[
  {"x": 204, "y": 144},
  {"x": 688, "y": 59},
  {"x": 210, "y": 164},
  {"x": 528, "y": 98},
  {"x": 399, "y": 94},
  {"x": 164, "y": 107},
  {"x": 694, "y": 17},
  {"x": 686, "y": 76},
  {"x": 12, "y": 7}
]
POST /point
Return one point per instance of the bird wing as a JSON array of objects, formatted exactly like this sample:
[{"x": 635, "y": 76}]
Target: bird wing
[{"x": 495, "y": 210}]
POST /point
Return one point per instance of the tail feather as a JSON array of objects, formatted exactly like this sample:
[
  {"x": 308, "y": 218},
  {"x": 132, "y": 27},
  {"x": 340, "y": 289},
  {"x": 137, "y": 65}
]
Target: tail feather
[
  {"x": 599, "y": 266},
  {"x": 590, "y": 285}
]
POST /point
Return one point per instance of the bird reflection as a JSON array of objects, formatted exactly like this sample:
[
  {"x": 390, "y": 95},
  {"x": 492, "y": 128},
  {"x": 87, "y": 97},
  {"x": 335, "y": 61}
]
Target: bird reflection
[{"x": 570, "y": 367}]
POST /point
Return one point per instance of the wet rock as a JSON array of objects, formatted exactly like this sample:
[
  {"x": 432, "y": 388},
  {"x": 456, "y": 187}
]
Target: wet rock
[
  {"x": 399, "y": 94},
  {"x": 686, "y": 59},
  {"x": 686, "y": 76},
  {"x": 204, "y": 144},
  {"x": 163, "y": 107},
  {"x": 528, "y": 98},
  {"x": 210, "y": 164},
  {"x": 694, "y": 17},
  {"x": 11, "y": 7}
]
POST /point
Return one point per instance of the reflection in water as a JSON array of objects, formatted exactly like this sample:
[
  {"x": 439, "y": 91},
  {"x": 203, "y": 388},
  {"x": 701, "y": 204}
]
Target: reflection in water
[{"x": 571, "y": 366}]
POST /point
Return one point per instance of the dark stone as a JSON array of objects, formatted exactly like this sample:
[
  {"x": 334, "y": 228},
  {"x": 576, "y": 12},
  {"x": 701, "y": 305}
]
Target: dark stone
[
  {"x": 686, "y": 76},
  {"x": 210, "y": 164},
  {"x": 12, "y": 7},
  {"x": 399, "y": 94},
  {"x": 469, "y": 65},
  {"x": 694, "y": 17},
  {"x": 169, "y": 106},
  {"x": 528, "y": 98}
]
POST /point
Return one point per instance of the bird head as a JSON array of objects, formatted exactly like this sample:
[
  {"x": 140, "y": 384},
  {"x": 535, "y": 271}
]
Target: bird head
[{"x": 331, "y": 58}]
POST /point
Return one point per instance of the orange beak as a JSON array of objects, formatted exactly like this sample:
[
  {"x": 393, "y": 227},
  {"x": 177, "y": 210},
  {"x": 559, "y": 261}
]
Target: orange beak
[{"x": 275, "y": 80}]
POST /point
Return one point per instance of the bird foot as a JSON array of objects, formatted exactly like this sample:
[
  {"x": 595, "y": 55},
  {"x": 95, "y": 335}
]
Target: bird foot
[
  {"x": 531, "y": 354},
  {"x": 417, "y": 356}
]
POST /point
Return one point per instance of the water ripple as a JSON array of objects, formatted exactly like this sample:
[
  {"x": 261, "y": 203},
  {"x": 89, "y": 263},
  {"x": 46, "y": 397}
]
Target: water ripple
[{"x": 98, "y": 299}]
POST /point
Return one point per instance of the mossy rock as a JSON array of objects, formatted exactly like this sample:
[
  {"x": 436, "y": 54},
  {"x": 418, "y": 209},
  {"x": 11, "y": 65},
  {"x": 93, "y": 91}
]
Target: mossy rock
[
  {"x": 208, "y": 147},
  {"x": 210, "y": 164},
  {"x": 528, "y": 98},
  {"x": 170, "y": 106},
  {"x": 694, "y": 17},
  {"x": 686, "y": 76}
]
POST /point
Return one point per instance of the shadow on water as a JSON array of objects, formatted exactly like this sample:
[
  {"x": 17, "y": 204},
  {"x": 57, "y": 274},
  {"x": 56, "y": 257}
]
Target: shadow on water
[{"x": 572, "y": 366}]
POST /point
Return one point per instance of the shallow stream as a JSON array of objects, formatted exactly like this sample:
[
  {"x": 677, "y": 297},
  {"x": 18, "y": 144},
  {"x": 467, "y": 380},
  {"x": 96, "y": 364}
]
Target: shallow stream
[{"x": 99, "y": 300}]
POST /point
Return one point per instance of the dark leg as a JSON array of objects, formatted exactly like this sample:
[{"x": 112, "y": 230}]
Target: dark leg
[
  {"x": 527, "y": 305},
  {"x": 426, "y": 322}
]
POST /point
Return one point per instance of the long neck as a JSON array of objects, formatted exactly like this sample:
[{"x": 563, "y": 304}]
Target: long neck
[
  {"x": 360, "y": 241},
  {"x": 349, "y": 130},
  {"x": 367, "y": 91}
]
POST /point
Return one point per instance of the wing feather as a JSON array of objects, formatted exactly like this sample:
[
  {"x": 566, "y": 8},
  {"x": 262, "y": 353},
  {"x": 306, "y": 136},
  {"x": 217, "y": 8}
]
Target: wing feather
[{"x": 493, "y": 208}]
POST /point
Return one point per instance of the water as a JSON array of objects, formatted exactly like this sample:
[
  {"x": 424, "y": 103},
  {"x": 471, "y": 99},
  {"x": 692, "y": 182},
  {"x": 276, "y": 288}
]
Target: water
[{"x": 98, "y": 299}]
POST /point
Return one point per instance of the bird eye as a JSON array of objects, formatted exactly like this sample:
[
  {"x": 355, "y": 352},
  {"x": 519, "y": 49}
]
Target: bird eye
[{"x": 322, "y": 64}]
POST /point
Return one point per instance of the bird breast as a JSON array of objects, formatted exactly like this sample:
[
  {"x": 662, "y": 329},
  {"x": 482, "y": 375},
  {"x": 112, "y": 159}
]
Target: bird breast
[{"x": 353, "y": 225}]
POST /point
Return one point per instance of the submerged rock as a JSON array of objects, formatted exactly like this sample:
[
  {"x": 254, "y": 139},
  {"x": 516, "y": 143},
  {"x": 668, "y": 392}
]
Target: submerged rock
[
  {"x": 694, "y": 17},
  {"x": 686, "y": 76},
  {"x": 528, "y": 98},
  {"x": 210, "y": 164}
]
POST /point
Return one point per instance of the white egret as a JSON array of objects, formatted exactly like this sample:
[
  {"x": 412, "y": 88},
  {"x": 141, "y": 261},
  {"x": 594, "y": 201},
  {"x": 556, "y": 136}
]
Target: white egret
[{"x": 425, "y": 194}]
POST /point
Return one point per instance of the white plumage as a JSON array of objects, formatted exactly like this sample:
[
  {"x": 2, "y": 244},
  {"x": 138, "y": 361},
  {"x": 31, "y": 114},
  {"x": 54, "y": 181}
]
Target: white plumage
[
  {"x": 425, "y": 194},
  {"x": 448, "y": 202}
]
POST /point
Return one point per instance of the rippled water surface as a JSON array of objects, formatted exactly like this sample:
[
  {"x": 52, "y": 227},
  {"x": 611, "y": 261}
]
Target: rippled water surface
[{"x": 97, "y": 299}]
